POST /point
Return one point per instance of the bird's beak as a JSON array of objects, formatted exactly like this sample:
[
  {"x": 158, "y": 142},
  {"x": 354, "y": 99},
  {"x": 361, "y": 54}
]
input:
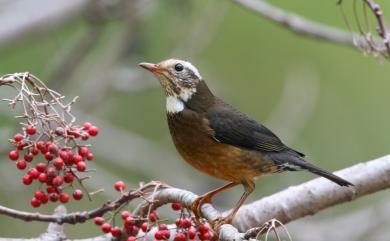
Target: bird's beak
[{"x": 154, "y": 68}]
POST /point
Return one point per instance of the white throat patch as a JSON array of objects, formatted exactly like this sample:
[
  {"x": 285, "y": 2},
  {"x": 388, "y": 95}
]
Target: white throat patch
[{"x": 174, "y": 105}]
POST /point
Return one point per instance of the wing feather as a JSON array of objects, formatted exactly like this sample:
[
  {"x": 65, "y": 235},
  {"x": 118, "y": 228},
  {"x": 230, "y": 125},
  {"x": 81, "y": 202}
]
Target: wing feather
[{"x": 234, "y": 128}]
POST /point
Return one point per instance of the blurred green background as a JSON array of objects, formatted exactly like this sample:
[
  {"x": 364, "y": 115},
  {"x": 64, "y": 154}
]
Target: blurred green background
[{"x": 328, "y": 101}]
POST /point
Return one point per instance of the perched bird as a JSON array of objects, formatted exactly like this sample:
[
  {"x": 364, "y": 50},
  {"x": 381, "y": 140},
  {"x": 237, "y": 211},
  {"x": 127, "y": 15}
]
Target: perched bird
[{"x": 217, "y": 139}]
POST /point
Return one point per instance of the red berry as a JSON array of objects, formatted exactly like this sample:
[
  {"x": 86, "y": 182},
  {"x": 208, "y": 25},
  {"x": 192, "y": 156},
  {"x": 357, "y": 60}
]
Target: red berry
[
  {"x": 64, "y": 198},
  {"x": 131, "y": 238},
  {"x": 58, "y": 163},
  {"x": 58, "y": 181},
  {"x": 116, "y": 232},
  {"x": 64, "y": 155},
  {"x": 93, "y": 131},
  {"x": 179, "y": 222},
  {"x": 203, "y": 228},
  {"x": 34, "y": 151},
  {"x": 180, "y": 237},
  {"x": 50, "y": 189},
  {"x": 87, "y": 125},
  {"x": 27, "y": 180},
  {"x": 81, "y": 166},
  {"x": 99, "y": 220},
  {"x": 34, "y": 173},
  {"x": 176, "y": 206},
  {"x": 153, "y": 216},
  {"x": 204, "y": 236},
  {"x": 129, "y": 221},
  {"x": 43, "y": 178},
  {"x": 53, "y": 197},
  {"x": 69, "y": 177},
  {"x": 162, "y": 226},
  {"x": 22, "y": 164},
  {"x": 77, "y": 194},
  {"x": 186, "y": 222},
  {"x": 40, "y": 145},
  {"x": 85, "y": 136},
  {"x": 125, "y": 214},
  {"x": 106, "y": 228},
  {"x": 192, "y": 233},
  {"x": 53, "y": 149},
  {"x": 51, "y": 172},
  {"x": 119, "y": 186},
  {"x": 60, "y": 131},
  {"x": 28, "y": 157},
  {"x": 39, "y": 195},
  {"x": 18, "y": 137},
  {"x": 41, "y": 167},
  {"x": 21, "y": 145},
  {"x": 159, "y": 235},
  {"x": 35, "y": 202},
  {"x": 90, "y": 156},
  {"x": 77, "y": 158},
  {"x": 49, "y": 156},
  {"x": 44, "y": 199},
  {"x": 83, "y": 151},
  {"x": 13, "y": 155},
  {"x": 166, "y": 234},
  {"x": 31, "y": 130},
  {"x": 144, "y": 227},
  {"x": 135, "y": 230}
]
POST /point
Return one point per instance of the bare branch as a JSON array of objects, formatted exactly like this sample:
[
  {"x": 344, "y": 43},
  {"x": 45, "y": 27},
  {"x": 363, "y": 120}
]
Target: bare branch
[
  {"x": 382, "y": 31},
  {"x": 303, "y": 26},
  {"x": 79, "y": 217}
]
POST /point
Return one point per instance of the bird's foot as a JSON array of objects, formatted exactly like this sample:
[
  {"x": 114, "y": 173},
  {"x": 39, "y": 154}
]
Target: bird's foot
[
  {"x": 217, "y": 223},
  {"x": 197, "y": 205}
]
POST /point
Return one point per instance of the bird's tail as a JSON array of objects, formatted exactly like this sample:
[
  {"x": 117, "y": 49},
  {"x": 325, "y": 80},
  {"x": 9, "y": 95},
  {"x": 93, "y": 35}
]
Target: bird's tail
[{"x": 321, "y": 172}]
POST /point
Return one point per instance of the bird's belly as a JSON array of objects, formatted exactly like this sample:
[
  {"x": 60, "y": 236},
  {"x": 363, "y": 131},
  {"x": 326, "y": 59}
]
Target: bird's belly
[{"x": 217, "y": 159}]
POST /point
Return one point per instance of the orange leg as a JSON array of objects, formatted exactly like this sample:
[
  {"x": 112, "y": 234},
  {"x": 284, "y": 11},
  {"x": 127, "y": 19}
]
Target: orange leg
[
  {"x": 206, "y": 198},
  {"x": 249, "y": 186}
]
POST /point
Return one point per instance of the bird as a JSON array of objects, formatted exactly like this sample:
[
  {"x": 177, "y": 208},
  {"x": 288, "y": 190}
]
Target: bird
[{"x": 219, "y": 140}]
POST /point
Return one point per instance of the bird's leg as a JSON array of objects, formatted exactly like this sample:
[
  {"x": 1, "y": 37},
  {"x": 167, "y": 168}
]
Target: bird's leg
[
  {"x": 249, "y": 186},
  {"x": 206, "y": 198}
]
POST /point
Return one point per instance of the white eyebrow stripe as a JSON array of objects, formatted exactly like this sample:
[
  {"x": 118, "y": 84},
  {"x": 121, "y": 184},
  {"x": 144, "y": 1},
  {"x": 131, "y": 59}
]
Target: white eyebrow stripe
[{"x": 192, "y": 68}]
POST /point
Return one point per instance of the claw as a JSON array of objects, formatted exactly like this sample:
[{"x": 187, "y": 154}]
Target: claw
[
  {"x": 197, "y": 204},
  {"x": 217, "y": 223}
]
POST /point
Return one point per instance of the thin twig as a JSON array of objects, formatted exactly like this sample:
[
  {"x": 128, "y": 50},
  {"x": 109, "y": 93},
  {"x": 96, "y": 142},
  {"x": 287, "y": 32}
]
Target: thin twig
[{"x": 79, "y": 217}]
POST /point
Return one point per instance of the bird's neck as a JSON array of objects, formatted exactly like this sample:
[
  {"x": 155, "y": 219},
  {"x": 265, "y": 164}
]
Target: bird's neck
[
  {"x": 199, "y": 100},
  {"x": 202, "y": 99}
]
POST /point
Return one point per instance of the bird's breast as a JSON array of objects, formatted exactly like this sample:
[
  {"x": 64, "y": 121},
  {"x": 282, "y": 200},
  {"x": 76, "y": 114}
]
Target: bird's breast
[{"x": 194, "y": 140}]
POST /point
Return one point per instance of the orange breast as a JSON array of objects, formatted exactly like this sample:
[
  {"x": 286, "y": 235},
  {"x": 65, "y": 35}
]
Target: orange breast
[{"x": 193, "y": 139}]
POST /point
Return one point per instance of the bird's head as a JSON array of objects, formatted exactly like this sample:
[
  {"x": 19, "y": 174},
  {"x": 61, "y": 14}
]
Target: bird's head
[{"x": 178, "y": 78}]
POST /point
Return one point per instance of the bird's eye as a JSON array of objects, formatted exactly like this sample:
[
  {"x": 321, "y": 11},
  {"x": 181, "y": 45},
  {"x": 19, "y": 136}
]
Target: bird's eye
[{"x": 179, "y": 67}]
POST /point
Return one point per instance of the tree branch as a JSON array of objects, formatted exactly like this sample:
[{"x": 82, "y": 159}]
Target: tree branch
[
  {"x": 303, "y": 26},
  {"x": 382, "y": 31},
  {"x": 293, "y": 203},
  {"x": 80, "y": 217},
  {"x": 288, "y": 205}
]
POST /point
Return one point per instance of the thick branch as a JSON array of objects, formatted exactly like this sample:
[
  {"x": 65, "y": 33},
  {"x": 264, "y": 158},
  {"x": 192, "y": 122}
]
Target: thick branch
[
  {"x": 313, "y": 196},
  {"x": 303, "y": 26},
  {"x": 294, "y": 202}
]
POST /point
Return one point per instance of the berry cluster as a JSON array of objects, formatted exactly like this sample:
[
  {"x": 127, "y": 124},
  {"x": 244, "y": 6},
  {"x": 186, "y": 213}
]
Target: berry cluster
[
  {"x": 58, "y": 160},
  {"x": 185, "y": 227}
]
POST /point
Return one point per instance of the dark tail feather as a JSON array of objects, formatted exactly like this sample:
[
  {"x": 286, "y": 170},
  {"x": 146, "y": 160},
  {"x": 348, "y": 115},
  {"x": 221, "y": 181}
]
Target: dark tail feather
[{"x": 321, "y": 172}]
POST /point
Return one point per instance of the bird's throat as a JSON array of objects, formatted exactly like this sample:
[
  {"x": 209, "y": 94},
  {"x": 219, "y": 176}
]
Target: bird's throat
[{"x": 174, "y": 105}]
